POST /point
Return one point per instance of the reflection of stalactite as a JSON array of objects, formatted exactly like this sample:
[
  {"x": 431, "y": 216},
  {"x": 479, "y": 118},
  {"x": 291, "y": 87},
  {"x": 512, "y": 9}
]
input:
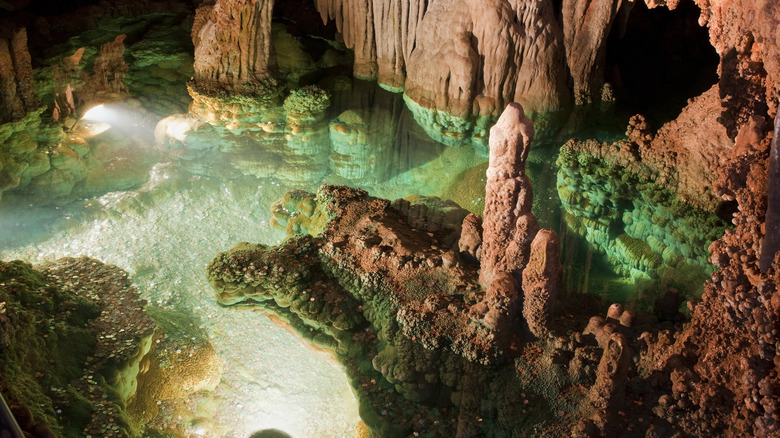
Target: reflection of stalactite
[
  {"x": 360, "y": 142},
  {"x": 306, "y": 149},
  {"x": 395, "y": 142}
]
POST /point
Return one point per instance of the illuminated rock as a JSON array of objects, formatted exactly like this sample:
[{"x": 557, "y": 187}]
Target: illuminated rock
[
  {"x": 542, "y": 280},
  {"x": 508, "y": 224},
  {"x": 233, "y": 48}
]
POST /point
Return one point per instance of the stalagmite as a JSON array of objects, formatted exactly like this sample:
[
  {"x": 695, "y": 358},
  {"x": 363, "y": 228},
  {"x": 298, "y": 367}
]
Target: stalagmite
[
  {"x": 541, "y": 281},
  {"x": 509, "y": 226},
  {"x": 608, "y": 391}
]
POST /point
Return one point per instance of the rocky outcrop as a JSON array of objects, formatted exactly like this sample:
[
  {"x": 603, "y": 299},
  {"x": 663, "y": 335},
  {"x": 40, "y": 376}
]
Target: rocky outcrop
[
  {"x": 744, "y": 33},
  {"x": 233, "y": 47},
  {"x": 17, "y": 93},
  {"x": 508, "y": 225}
]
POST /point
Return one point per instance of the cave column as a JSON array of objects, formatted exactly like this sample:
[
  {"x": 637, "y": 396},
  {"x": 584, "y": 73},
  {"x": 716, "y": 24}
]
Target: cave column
[
  {"x": 509, "y": 226},
  {"x": 233, "y": 47}
]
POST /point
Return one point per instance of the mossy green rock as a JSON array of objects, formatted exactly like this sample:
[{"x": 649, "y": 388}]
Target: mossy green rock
[{"x": 645, "y": 231}]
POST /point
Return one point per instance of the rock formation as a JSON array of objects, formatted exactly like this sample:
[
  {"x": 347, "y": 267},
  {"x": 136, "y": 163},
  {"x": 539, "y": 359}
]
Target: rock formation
[
  {"x": 508, "y": 225},
  {"x": 586, "y": 26},
  {"x": 542, "y": 280},
  {"x": 17, "y": 94},
  {"x": 233, "y": 47},
  {"x": 355, "y": 21}
]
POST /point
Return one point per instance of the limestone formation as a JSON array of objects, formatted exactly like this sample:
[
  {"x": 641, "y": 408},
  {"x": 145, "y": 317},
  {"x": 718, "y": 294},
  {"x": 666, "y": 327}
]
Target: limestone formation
[
  {"x": 355, "y": 20},
  {"x": 586, "y": 25},
  {"x": 17, "y": 94},
  {"x": 508, "y": 225},
  {"x": 233, "y": 47},
  {"x": 496, "y": 53},
  {"x": 542, "y": 279},
  {"x": 470, "y": 243}
]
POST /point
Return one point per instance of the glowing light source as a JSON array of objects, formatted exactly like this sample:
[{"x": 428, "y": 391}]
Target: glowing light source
[{"x": 98, "y": 113}]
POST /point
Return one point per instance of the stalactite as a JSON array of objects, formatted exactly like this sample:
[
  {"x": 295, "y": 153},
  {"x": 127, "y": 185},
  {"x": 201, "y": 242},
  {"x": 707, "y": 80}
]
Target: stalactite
[{"x": 771, "y": 242}]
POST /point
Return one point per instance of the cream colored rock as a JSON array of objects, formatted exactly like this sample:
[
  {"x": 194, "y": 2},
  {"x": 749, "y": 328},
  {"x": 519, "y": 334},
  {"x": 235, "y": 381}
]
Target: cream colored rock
[{"x": 233, "y": 47}]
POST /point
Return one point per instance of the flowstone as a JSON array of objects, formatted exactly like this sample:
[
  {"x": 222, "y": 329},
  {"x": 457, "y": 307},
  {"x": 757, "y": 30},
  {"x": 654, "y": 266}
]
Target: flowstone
[{"x": 645, "y": 231}]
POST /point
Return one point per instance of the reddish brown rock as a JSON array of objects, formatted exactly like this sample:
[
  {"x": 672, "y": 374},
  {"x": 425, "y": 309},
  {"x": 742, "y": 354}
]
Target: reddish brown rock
[
  {"x": 470, "y": 242},
  {"x": 542, "y": 282},
  {"x": 746, "y": 35},
  {"x": 508, "y": 225},
  {"x": 688, "y": 151},
  {"x": 17, "y": 93},
  {"x": 233, "y": 47}
]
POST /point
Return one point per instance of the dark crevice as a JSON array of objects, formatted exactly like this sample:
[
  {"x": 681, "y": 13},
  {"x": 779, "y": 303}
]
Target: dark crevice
[{"x": 663, "y": 59}]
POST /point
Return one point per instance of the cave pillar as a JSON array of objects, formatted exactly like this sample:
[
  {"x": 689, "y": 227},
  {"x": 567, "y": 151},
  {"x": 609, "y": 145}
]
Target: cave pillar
[
  {"x": 509, "y": 227},
  {"x": 233, "y": 47},
  {"x": 586, "y": 26}
]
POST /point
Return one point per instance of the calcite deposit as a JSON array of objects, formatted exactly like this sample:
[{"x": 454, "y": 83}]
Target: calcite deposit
[
  {"x": 508, "y": 224},
  {"x": 233, "y": 49}
]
